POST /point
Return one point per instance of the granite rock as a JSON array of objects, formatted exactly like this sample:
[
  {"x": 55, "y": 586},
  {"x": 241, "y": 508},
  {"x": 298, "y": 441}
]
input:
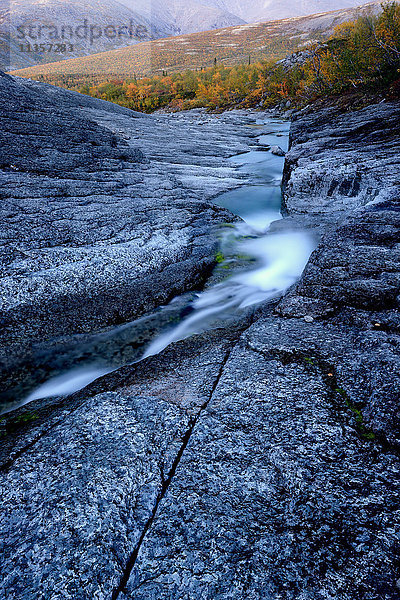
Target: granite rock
[
  {"x": 106, "y": 213},
  {"x": 258, "y": 461}
]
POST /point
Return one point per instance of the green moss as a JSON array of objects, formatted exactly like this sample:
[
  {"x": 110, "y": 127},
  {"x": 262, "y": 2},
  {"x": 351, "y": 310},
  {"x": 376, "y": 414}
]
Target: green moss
[
  {"x": 219, "y": 257},
  {"x": 368, "y": 436},
  {"x": 244, "y": 257},
  {"x": 12, "y": 425},
  {"x": 356, "y": 409},
  {"x": 229, "y": 225},
  {"x": 365, "y": 433}
]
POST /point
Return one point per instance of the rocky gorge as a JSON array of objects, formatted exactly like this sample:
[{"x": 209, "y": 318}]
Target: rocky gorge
[{"x": 258, "y": 460}]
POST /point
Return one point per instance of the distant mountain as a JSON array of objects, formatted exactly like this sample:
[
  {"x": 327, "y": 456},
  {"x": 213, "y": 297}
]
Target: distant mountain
[
  {"x": 201, "y": 15},
  {"x": 185, "y": 16},
  {"x": 252, "y": 11},
  {"x": 83, "y": 26},
  {"x": 272, "y": 40},
  {"x": 73, "y": 28}
]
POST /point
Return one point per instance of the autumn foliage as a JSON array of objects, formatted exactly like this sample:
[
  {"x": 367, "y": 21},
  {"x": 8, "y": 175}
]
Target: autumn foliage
[{"x": 361, "y": 55}]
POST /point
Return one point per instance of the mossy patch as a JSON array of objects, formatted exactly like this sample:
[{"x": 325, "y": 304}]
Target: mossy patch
[
  {"x": 12, "y": 425},
  {"x": 358, "y": 416},
  {"x": 356, "y": 409}
]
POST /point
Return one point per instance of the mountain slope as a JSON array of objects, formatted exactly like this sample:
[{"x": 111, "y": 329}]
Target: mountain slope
[
  {"x": 262, "y": 10},
  {"x": 25, "y": 24},
  {"x": 79, "y": 24},
  {"x": 154, "y": 20},
  {"x": 185, "y": 16},
  {"x": 233, "y": 45}
]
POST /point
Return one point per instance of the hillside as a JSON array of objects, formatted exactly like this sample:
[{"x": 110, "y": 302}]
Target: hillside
[
  {"x": 185, "y": 16},
  {"x": 71, "y": 22},
  {"x": 267, "y": 10},
  {"x": 233, "y": 45},
  {"x": 199, "y": 15},
  {"x": 70, "y": 28},
  {"x": 29, "y": 21}
]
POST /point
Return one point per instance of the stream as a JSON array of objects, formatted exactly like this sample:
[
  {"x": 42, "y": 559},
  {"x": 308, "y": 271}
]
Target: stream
[{"x": 264, "y": 266}]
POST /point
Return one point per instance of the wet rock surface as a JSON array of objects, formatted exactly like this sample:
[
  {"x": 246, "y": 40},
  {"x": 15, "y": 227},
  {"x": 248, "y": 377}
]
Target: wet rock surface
[
  {"x": 257, "y": 461},
  {"x": 105, "y": 212},
  {"x": 342, "y": 161}
]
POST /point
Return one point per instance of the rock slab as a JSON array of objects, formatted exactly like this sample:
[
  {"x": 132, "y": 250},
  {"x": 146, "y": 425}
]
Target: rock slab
[{"x": 259, "y": 461}]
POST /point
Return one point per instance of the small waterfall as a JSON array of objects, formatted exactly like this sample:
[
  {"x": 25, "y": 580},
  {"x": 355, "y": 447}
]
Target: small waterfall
[{"x": 281, "y": 260}]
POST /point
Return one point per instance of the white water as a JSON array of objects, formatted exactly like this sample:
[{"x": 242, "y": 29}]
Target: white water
[
  {"x": 66, "y": 384},
  {"x": 282, "y": 258},
  {"x": 279, "y": 261}
]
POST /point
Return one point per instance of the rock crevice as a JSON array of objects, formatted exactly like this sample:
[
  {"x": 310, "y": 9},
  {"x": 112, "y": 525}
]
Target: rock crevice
[{"x": 166, "y": 482}]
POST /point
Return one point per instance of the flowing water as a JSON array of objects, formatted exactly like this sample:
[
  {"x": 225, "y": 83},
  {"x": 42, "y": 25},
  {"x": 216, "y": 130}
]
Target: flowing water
[{"x": 273, "y": 262}]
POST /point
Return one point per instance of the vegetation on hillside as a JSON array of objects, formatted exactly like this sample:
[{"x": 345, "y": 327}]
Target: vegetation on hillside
[
  {"x": 230, "y": 46},
  {"x": 361, "y": 55}
]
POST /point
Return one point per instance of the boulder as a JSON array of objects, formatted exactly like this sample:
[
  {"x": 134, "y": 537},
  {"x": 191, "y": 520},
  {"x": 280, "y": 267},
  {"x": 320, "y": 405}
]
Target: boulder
[{"x": 277, "y": 151}]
